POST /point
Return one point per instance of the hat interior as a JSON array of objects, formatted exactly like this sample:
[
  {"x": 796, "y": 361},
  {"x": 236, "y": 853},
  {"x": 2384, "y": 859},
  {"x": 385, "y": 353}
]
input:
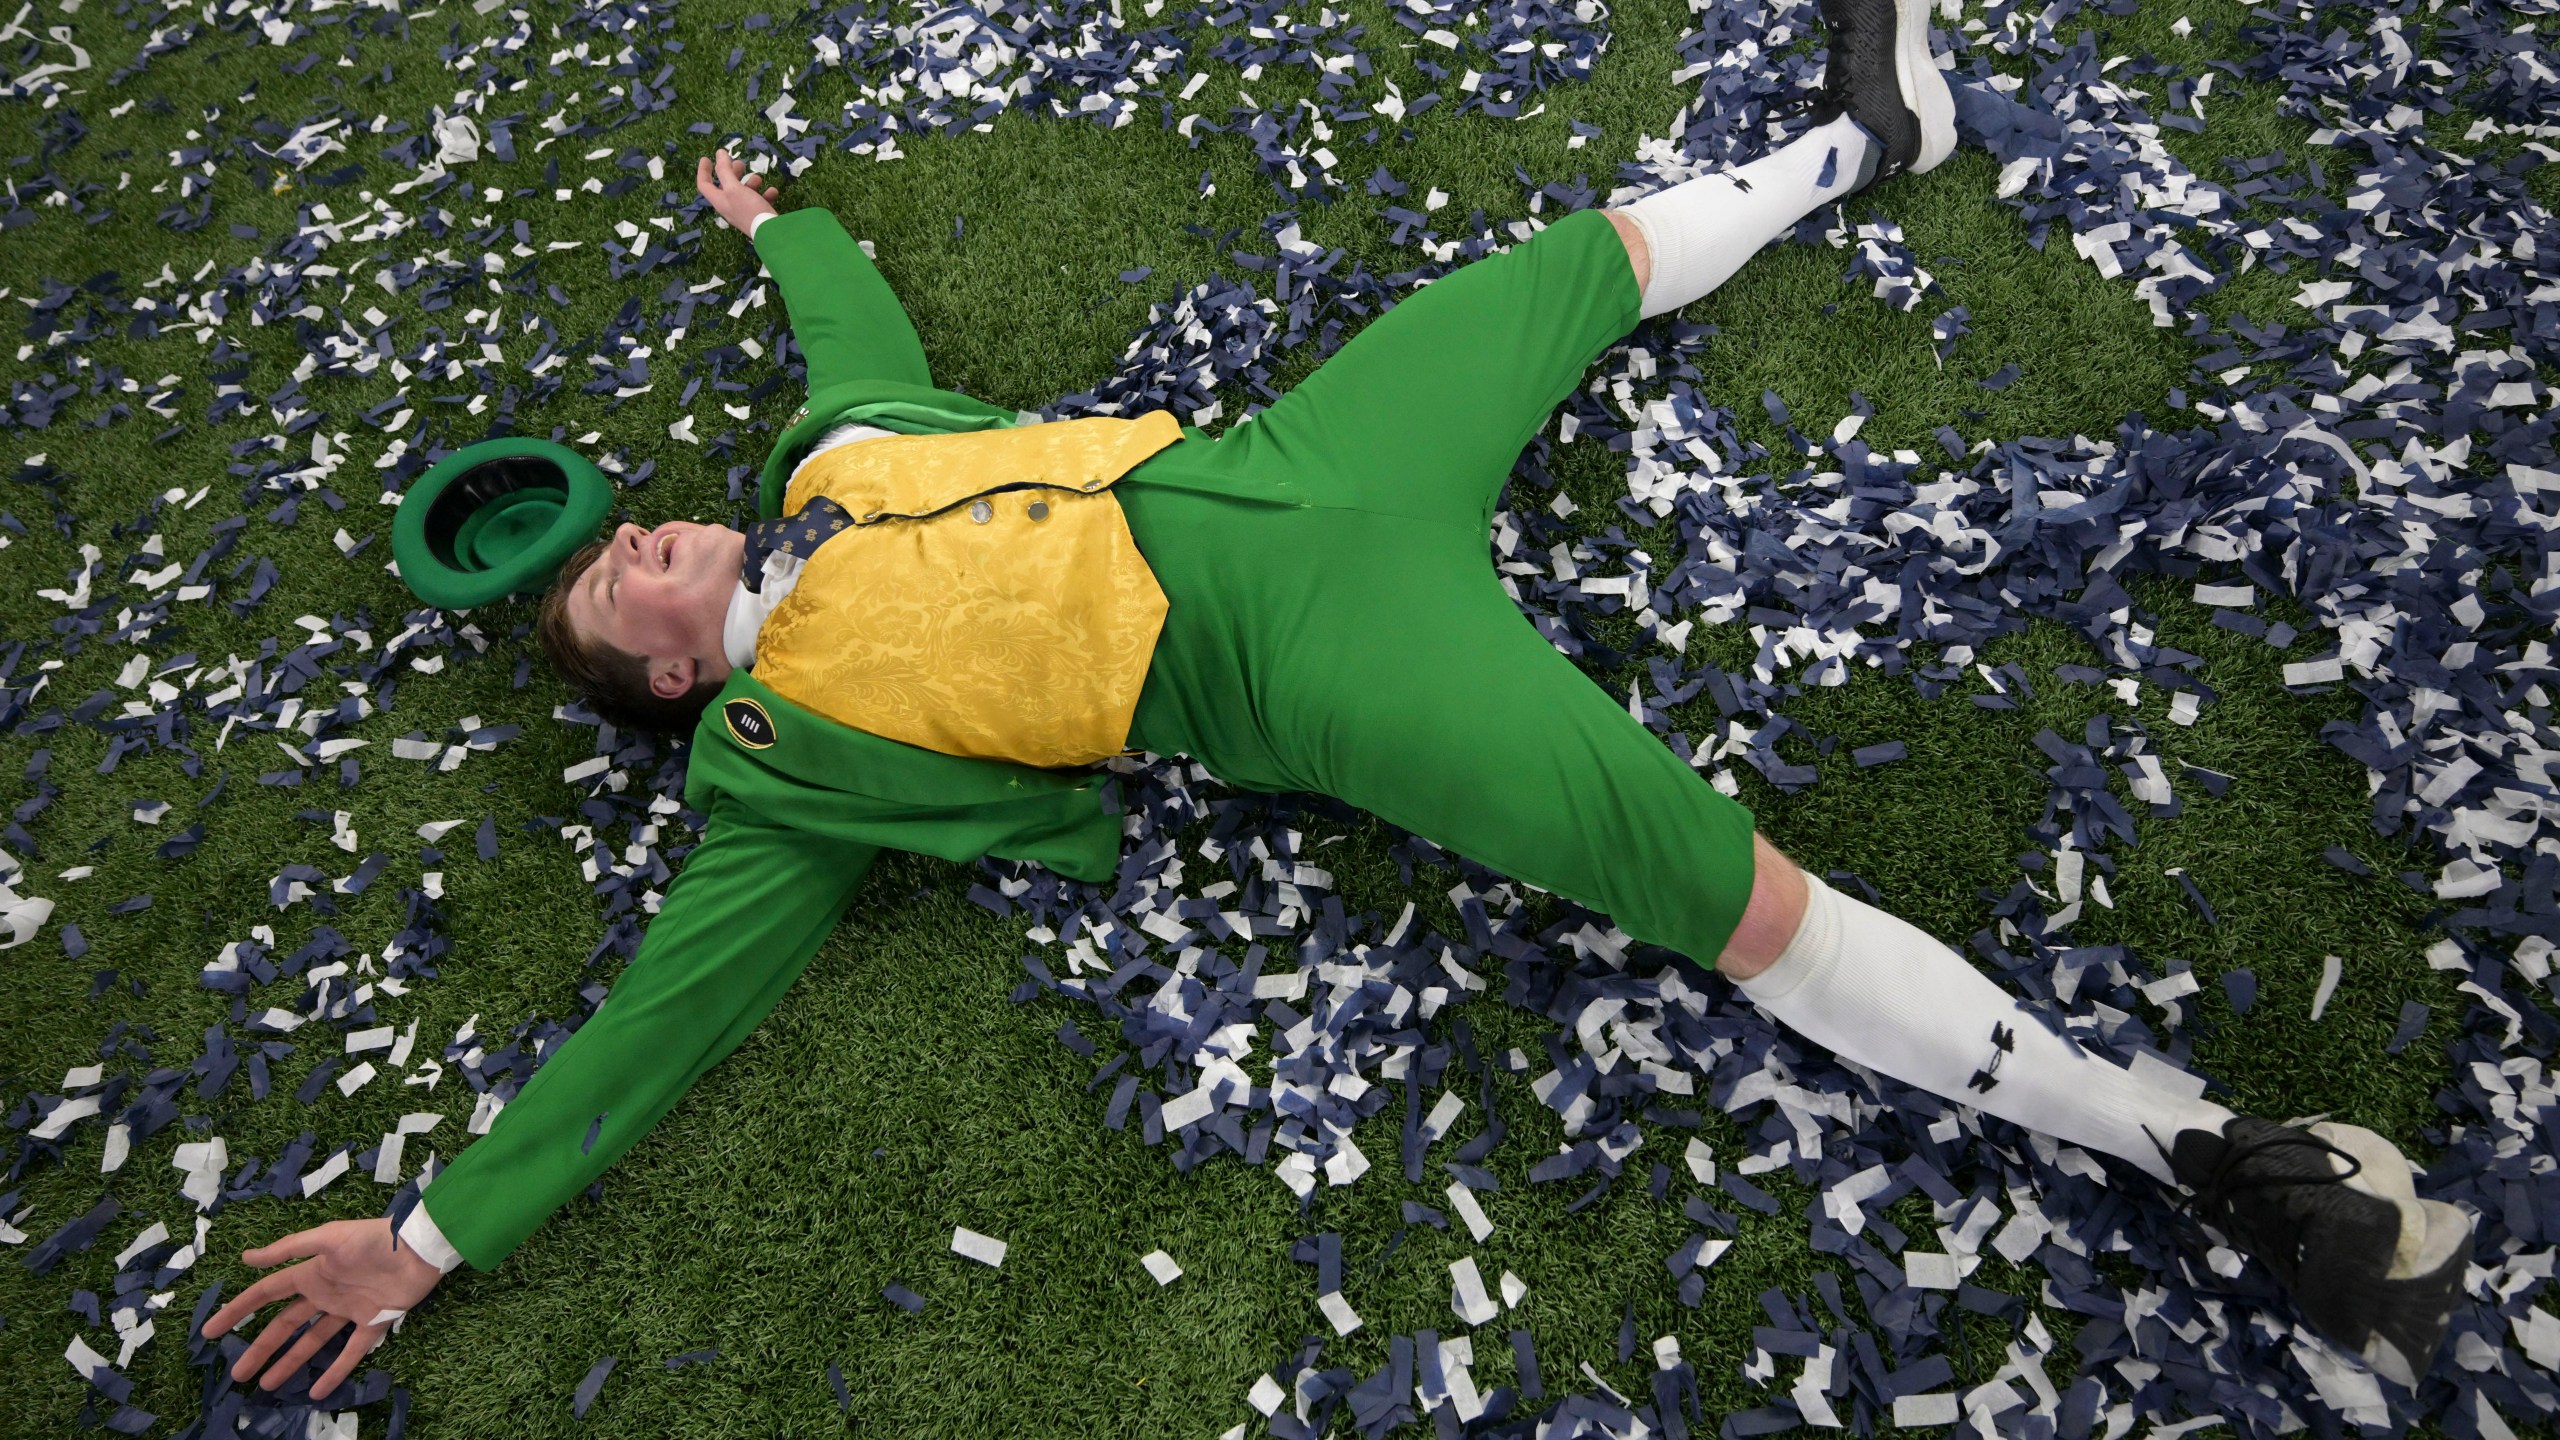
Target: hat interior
[{"x": 495, "y": 511}]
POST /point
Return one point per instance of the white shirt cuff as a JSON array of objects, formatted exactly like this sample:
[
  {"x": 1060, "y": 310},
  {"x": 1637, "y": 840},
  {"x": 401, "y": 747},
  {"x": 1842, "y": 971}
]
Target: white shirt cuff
[
  {"x": 757, "y": 224},
  {"x": 419, "y": 1233}
]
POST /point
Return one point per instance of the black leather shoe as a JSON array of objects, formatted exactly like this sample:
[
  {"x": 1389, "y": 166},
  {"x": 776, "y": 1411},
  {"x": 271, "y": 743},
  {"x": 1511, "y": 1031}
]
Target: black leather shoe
[
  {"x": 2330, "y": 1210},
  {"x": 1882, "y": 75}
]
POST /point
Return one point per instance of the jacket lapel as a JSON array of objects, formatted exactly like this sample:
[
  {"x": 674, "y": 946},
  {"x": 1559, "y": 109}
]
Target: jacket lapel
[{"x": 889, "y": 404}]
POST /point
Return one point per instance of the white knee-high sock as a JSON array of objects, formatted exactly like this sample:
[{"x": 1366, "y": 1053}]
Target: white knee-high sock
[
  {"x": 1881, "y": 991},
  {"x": 1700, "y": 231}
]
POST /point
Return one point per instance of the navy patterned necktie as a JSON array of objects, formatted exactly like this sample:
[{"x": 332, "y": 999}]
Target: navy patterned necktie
[{"x": 818, "y": 522}]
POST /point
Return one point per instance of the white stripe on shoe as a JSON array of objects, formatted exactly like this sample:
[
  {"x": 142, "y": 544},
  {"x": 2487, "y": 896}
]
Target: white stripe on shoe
[{"x": 1924, "y": 87}]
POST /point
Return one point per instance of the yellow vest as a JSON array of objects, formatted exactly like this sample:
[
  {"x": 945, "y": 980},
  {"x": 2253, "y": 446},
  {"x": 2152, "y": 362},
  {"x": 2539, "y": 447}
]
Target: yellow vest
[{"x": 988, "y": 599}]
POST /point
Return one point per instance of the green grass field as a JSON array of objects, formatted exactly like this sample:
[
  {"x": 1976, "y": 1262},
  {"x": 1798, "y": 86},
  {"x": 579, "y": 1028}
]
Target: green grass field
[{"x": 896, "y": 1093}]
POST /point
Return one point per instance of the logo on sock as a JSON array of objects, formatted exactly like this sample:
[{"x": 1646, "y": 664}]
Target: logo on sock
[{"x": 2003, "y": 1041}]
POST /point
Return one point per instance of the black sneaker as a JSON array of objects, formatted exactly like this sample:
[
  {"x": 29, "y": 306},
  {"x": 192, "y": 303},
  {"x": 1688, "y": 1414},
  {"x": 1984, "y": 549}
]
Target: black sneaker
[
  {"x": 2331, "y": 1211},
  {"x": 1882, "y": 76}
]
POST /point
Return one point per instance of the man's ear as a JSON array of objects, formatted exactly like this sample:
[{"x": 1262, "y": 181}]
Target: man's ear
[{"x": 672, "y": 679}]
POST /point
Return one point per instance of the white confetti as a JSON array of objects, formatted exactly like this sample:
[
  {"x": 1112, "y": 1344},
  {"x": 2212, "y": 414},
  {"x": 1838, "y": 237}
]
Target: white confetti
[
  {"x": 203, "y": 1162},
  {"x": 1702, "y": 1161},
  {"x": 83, "y": 1359},
  {"x": 319, "y": 1180},
  {"x": 77, "y": 1108},
  {"x": 1266, "y": 1395},
  {"x": 1811, "y": 1402},
  {"x": 2331, "y": 967},
  {"x": 1930, "y": 1270},
  {"x": 386, "y": 1160},
  {"x": 144, "y": 1241},
  {"x": 1443, "y": 1114},
  {"x": 985, "y": 1249},
  {"x": 1188, "y": 1108},
  {"x": 20, "y": 917},
  {"x": 1467, "y": 1295},
  {"x": 1463, "y": 1200}
]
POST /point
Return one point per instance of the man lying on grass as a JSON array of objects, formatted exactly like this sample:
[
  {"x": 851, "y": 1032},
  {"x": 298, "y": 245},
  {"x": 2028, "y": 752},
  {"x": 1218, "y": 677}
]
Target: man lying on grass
[{"x": 947, "y": 618}]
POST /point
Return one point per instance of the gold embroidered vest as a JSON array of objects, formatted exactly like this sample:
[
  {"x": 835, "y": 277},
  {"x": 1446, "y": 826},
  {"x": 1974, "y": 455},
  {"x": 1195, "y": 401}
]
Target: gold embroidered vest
[{"x": 988, "y": 599}]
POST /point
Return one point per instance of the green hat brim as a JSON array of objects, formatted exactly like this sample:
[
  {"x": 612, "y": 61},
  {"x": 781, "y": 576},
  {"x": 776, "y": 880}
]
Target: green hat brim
[{"x": 496, "y": 519}]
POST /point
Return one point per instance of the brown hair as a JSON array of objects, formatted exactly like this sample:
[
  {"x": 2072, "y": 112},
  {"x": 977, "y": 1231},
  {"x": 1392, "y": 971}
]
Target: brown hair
[{"x": 614, "y": 683}]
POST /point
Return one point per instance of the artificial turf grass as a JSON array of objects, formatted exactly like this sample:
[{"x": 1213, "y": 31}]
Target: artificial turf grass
[{"x": 703, "y": 1215}]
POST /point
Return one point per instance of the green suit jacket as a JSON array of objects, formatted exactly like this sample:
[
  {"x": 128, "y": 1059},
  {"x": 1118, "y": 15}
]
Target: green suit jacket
[{"x": 794, "y": 823}]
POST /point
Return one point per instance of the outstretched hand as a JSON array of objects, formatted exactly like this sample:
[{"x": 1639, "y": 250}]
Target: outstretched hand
[
  {"x": 736, "y": 193},
  {"x": 350, "y": 1275}
]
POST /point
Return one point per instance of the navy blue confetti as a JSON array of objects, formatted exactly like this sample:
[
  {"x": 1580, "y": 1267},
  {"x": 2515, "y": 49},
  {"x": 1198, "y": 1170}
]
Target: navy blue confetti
[{"x": 590, "y": 1387}]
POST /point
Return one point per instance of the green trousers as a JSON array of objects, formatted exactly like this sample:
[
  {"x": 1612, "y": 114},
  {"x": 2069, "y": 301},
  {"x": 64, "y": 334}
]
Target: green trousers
[
  {"x": 1354, "y": 639},
  {"x": 1336, "y": 624}
]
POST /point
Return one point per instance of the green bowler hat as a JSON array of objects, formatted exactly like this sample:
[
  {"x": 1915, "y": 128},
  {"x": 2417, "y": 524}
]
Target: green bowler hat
[{"x": 496, "y": 519}]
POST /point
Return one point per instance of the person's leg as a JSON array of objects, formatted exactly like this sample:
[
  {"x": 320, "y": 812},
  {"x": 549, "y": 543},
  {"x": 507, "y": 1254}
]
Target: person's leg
[
  {"x": 1875, "y": 988},
  {"x": 1407, "y": 682},
  {"x": 1639, "y": 254},
  {"x": 2331, "y": 1209},
  {"x": 1698, "y": 233},
  {"x": 1424, "y": 411},
  {"x": 1377, "y": 659}
]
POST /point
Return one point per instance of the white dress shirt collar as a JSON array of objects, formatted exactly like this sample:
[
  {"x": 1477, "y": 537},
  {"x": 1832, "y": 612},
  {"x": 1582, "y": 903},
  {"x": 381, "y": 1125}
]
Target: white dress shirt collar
[{"x": 748, "y": 608}]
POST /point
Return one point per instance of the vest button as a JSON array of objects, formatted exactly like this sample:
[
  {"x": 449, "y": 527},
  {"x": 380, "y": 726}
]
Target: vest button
[
  {"x": 1093, "y": 484},
  {"x": 982, "y": 512},
  {"x": 1039, "y": 510}
]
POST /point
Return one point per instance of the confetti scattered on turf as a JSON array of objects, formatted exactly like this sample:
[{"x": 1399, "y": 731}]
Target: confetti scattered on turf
[{"x": 2383, "y": 465}]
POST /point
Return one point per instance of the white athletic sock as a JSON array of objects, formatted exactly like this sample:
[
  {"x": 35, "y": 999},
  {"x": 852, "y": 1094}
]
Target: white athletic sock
[
  {"x": 1881, "y": 991},
  {"x": 1700, "y": 231}
]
